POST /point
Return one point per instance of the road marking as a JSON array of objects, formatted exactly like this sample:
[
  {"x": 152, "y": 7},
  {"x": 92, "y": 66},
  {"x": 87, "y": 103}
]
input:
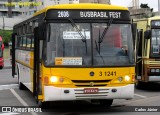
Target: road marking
[
  {"x": 140, "y": 95},
  {"x": 3, "y": 87},
  {"x": 9, "y": 113},
  {"x": 21, "y": 100}
]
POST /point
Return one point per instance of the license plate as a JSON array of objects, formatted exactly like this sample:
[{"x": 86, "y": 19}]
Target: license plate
[{"x": 90, "y": 90}]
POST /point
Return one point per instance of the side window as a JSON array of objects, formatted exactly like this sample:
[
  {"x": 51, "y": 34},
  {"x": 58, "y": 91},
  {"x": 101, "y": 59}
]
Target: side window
[
  {"x": 24, "y": 41},
  {"x": 32, "y": 43},
  {"x": 28, "y": 28},
  {"x": 21, "y": 41},
  {"x": 18, "y": 41},
  {"x": 28, "y": 41}
]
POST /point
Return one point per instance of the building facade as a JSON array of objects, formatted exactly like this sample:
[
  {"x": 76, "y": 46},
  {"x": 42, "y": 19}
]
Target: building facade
[
  {"x": 95, "y": 1},
  {"x": 9, "y": 14},
  {"x": 26, "y": 11},
  {"x": 8, "y": 10},
  {"x": 20, "y": 9}
]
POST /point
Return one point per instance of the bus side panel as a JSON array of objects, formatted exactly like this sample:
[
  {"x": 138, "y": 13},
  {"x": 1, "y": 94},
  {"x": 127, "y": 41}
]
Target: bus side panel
[{"x": 24, "y": 61}]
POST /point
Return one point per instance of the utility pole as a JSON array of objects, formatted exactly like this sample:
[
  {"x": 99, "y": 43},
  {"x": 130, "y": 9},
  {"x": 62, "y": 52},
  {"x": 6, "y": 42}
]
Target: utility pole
[
  {"x": 159, "y": 6},
  {"x": 3, "y": 27}
]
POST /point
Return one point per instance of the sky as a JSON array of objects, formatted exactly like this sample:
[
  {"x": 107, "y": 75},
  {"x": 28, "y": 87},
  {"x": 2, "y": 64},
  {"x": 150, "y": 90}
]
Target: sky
[{"x": 151, "y": 3}]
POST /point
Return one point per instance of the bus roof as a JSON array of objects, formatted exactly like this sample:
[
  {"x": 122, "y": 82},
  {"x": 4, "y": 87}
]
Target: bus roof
[
  {"x": 153, "y": 18},
  {"x": 82, "y": 6}
]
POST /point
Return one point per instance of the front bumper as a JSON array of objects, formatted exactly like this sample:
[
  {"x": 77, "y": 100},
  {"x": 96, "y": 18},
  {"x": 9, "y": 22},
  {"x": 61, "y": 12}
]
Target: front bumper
[
  {"x": 154, "y": 78},
  {"x": 52, "y": 93}
]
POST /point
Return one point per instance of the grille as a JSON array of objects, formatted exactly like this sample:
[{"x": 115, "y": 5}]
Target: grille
[
  {"x": 102, "y": 93},
  {"x": 90, "y": 83}
]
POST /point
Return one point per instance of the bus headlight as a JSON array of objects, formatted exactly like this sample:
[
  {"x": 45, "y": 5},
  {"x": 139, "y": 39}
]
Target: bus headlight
[
  {"x": 127, "y": 78},
  {"x": 53, "y": 79},
  {"x": 59, "y": 80},
  {"x": 153, "y": 70}
]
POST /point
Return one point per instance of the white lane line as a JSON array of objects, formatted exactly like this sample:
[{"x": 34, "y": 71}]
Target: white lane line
[
  {"x": 2, "y": 87},
  {"x": 140, "y": 95},
  {"x": 21, "y": 100},
  {"x": 9, "y": 113}
]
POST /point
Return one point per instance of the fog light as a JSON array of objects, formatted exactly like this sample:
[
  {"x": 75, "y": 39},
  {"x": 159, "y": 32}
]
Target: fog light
[
  {"x": 120, "y": 79},
  {"x": 114, "y": 90},
  {"x": 66, "y": 91},
  {"x": 53, "y": 79},
  {"x": 61, "y": 80}
]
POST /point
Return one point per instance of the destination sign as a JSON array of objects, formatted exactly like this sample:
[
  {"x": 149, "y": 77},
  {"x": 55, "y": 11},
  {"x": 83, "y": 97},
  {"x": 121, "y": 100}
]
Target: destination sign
[
  {"x": 155, "y": 23},
  {"x": 87, "y": 14}
]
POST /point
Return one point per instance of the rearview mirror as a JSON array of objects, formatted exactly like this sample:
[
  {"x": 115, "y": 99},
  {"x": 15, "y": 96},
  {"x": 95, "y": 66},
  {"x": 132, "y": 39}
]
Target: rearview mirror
[
  {"x": 147, "y": 34},
  {"x": 42, "y": 31}
]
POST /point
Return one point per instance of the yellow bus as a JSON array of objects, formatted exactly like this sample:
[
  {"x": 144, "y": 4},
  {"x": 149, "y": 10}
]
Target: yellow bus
[
  {"x": 76, "y": 52},
  {"x": 148, "y": 51}
]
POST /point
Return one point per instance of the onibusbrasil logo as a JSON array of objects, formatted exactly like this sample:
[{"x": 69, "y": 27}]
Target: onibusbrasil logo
[{"x": 23, "y": 4}]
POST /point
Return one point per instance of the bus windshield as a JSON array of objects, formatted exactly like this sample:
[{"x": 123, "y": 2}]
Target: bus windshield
[
  {"x": 0, "y": 49},
  {"x": 65, "y": 45},
  {"x": 155, "y": 43}
]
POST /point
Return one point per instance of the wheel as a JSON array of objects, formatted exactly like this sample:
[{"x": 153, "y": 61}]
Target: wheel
[
  {"x": 21, "y": 86},
  {"x": 139, "y": 84},
  {"x": 105, "y": 102},
  {"x": 42, "y": 105},
  {"x": 1, "y": 67}
]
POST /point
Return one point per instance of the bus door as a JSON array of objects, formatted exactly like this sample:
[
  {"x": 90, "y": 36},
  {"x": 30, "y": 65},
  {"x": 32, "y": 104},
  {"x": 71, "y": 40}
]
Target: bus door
[
  {"x": 38, "y": 42},
  {"x": 36, "y": 64},
  {"x": 139, "y": 49}
]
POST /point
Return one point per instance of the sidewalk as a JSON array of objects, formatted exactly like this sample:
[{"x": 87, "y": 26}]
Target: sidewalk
[{"x": 7, "y": 64}]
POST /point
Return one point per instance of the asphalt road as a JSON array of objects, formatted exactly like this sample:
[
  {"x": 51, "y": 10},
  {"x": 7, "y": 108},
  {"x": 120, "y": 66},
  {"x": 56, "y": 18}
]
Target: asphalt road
[{"x": 10, "y": 96}]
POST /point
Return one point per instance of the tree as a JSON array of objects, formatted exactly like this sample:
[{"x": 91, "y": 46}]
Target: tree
[
  {"x": 6, "y": 35},
  {"x": 146, "y": 6}
]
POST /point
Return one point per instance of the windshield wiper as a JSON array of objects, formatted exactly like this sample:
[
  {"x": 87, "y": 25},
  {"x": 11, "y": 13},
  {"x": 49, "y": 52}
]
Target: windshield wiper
[
  {"x": 80, "y": 33},
  {"x": 105, "y": 31},
  {"x": 49, "y": 32},
  {"x": 98, "y": 49},
  {"x": 77, "y": 29}
]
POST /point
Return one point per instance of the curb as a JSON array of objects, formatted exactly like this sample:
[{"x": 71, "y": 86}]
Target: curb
[
  {"x": 7, "y": 67},
  {"x": 6, "y": 59}
]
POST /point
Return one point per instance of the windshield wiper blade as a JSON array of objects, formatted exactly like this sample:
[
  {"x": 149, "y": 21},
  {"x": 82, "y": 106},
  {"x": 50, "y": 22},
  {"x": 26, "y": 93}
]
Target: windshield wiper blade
[
  {"x": 80, "y": 33},
  {"x": 49, "y": 32},
  {"x": 105, "y": 30},
  {"x": 98, "y": 48}
]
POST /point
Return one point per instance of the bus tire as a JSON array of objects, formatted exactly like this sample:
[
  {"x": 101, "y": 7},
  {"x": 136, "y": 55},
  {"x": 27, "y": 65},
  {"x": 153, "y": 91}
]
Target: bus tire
[
  {"x": 138, "y": 84},
  {"x": 1, "y": 67},
  {"x": 42, "y": 105},
  {"x": 21, "y": 86},
  {"x": 106, "y": 102}
]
